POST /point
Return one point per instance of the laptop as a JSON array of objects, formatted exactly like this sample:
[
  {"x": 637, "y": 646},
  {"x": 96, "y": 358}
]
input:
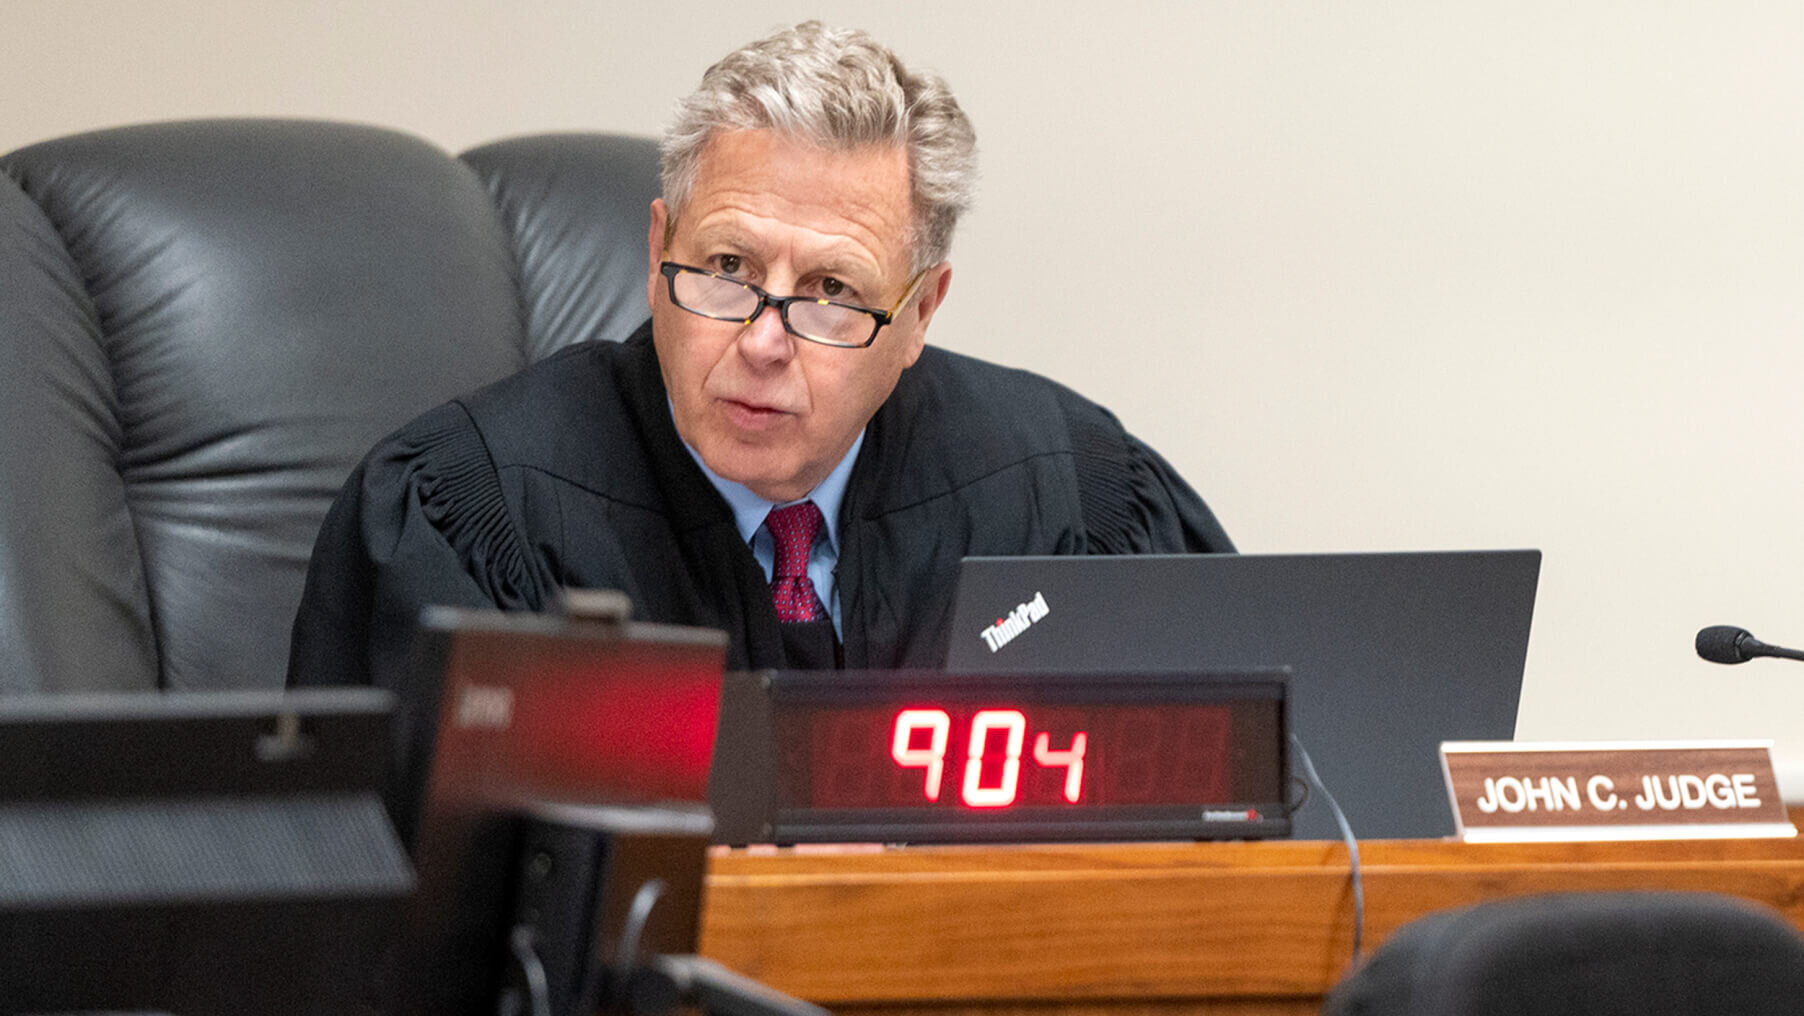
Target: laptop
[{"x": 1390, "y": 653}]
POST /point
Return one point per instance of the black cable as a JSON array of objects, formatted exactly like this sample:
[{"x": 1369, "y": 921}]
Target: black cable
[
  {"x": 626, "y": 958},
  {"x": 523, "y": 948},
  {"x": 1346, "y": 834},
  {"x": 1302, "y": 786}
]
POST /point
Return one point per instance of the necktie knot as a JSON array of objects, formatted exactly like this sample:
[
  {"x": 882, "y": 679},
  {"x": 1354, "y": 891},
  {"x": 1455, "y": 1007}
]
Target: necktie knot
[{"x": 793, "y": 531}]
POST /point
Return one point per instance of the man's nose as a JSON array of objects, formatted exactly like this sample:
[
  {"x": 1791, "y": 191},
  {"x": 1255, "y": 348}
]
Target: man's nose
[{"x": 765, "y": 341}]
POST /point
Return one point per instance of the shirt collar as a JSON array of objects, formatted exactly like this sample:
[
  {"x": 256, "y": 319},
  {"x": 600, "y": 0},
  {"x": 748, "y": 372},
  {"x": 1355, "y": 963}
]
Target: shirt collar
[{"x": 749, "y": 509}]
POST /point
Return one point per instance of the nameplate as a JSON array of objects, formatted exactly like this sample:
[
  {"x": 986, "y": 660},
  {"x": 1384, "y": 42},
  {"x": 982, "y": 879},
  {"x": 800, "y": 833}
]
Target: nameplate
[{"x": 1524, "y": 791}]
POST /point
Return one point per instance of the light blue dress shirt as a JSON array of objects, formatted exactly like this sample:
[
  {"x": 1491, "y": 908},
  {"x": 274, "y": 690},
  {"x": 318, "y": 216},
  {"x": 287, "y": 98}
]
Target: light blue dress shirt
[{"x": 749, "y": 511}]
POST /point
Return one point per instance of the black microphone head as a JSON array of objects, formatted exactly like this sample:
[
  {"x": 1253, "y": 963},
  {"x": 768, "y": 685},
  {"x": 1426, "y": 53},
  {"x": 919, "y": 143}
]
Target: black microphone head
[{"x": 1722, "y": 643}]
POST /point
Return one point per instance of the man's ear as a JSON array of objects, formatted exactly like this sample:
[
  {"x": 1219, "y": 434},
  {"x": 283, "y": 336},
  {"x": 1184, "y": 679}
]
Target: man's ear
[
  {"x": 654, "y": 246},
  {"x": 926, "y": 300},
  {"x": 933, "y": 292}
]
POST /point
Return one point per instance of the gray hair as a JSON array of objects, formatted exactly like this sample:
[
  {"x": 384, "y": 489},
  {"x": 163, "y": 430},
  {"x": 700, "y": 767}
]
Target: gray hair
[{"x": 838, "y": 89}]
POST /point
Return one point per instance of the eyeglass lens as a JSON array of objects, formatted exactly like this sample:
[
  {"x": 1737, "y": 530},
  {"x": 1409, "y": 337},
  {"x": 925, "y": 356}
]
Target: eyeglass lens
[{"x": 714, "y": 297}]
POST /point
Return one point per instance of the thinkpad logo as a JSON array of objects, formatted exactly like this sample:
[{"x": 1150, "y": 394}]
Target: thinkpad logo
[{"x": 1017, "y": 621}]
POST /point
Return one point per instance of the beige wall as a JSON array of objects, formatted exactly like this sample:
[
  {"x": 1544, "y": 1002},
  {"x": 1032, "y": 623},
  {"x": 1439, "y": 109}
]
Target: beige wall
[{"x": 1442, "y": 275}]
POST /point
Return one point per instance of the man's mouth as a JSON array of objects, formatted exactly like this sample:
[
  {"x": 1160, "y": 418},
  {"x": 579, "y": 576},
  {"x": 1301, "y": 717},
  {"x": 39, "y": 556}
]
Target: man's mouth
[{"x": 753, "y": 414}]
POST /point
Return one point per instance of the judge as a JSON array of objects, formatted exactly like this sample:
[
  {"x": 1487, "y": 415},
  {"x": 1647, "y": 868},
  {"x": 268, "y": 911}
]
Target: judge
[{"x": 777, "y": 452}]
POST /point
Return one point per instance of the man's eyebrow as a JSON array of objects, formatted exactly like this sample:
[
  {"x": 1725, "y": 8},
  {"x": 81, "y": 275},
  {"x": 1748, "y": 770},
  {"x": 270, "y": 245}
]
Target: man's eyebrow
[
  {"x": 840, "y": 260},
  {"x": 840, "y": 263},
  {"x": 847, "y": 262},
  {"x": 727, "y": 235}
]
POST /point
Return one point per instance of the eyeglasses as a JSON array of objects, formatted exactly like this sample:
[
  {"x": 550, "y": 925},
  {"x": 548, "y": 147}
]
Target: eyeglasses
[{"x": 845, "y": 325}]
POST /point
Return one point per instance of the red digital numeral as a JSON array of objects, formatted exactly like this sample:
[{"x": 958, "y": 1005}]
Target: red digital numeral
[
  {"x": 933, "y": 757},
  {"x": 1071, "y": 758},
  {"x": 908, "y": 751},
  {"x": 975, "y": 794}
]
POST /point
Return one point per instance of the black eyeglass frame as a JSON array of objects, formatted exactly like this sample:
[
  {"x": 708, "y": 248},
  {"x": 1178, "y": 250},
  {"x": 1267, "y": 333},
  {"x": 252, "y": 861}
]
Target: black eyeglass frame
[{"x": 671, "y": 269}]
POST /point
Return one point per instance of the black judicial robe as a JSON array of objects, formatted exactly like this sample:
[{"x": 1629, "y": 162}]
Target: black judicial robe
[{"x": 571, "y": 474}]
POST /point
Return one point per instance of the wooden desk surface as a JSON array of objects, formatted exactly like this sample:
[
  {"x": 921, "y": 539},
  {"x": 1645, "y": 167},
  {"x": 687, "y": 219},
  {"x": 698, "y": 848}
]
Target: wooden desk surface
[{"x": 1232, "y": 928}]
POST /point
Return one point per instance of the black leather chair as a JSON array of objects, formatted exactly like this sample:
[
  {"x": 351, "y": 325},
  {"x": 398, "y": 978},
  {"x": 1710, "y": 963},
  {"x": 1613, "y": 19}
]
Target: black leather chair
[
  {"x": 1585, "y": 954},
  {"x": 204, "y": 325}
]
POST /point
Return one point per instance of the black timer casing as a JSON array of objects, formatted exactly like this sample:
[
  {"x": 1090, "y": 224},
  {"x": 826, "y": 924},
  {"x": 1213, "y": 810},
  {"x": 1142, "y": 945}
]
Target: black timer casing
[{"x": 934, "y": 757}]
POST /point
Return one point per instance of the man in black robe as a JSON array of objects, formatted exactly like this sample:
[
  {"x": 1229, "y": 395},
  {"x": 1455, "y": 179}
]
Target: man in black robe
[{"x": 798, "y": 253}]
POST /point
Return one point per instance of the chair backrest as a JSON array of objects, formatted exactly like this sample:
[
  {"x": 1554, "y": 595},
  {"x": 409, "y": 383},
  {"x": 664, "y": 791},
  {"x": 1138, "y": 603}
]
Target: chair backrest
[
  {"x": 204, "y": 325},
  {"x": 1585, "y": 954}
]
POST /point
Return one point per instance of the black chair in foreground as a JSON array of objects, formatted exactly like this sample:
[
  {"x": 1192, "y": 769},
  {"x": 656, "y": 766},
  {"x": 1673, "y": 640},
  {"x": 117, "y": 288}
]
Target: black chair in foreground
[{"x": 1596, "y": 954}]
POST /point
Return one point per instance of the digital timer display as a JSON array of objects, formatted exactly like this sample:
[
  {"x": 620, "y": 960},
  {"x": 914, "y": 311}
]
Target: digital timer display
[
  {"x": 995, "y": 756},
  {"x": 913, "y": 756}
]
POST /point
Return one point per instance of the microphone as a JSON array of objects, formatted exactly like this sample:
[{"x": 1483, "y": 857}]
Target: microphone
[{"x": 1725, "y": 643}]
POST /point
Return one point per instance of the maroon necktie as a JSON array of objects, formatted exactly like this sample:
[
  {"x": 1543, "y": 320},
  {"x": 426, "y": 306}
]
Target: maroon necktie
[{"x": 794, "y": 529}]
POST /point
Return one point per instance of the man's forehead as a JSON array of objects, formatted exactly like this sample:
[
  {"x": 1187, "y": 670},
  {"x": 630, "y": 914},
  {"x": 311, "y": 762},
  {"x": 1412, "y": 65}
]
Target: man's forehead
[{"x": 750, "y": 184}]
